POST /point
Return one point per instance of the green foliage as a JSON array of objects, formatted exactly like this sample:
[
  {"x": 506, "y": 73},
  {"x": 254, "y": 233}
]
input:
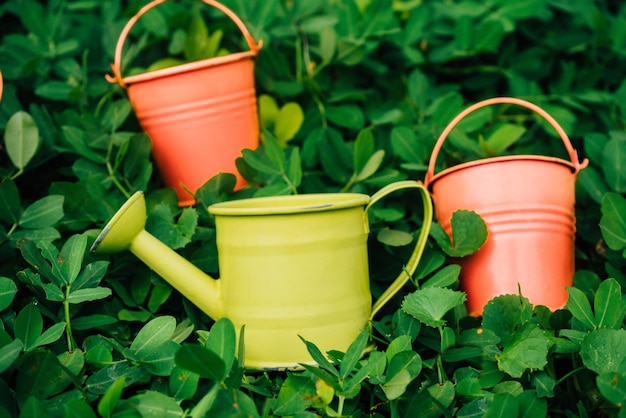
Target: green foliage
[{"x": 352, "y": 95}]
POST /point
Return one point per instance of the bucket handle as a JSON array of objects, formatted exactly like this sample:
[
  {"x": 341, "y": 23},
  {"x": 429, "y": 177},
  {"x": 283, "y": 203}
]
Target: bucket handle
[
  {"x": 117, "y": 63},
  {"x": 573, "y": 155},
  {"x": 411, "y": 265}
]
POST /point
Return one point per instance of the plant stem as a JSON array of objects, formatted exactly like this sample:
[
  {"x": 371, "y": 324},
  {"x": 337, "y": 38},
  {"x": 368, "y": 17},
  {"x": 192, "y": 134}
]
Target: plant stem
[
  {"x": 340, "y": 406},
  {"x": 68, "y": 326}
]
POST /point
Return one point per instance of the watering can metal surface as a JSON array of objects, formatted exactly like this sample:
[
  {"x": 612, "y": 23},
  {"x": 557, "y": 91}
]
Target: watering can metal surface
[{"x": 290, "y": 266}]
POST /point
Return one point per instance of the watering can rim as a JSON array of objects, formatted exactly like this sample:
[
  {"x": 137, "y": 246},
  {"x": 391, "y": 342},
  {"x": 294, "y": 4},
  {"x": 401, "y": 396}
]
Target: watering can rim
[
  {"x": 116, "y": 65},
  {"x": 291, "y": 204},
  {"x": 492, "y": 160}
]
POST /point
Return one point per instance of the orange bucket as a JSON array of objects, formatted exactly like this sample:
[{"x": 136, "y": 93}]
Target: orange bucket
[
  {"x": 527, "y": 203},
  {"x": 198, "y": 115}
]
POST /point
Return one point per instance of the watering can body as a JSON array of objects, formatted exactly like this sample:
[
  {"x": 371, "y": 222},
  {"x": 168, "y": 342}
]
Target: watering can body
[{"x": 291, "y": 267}]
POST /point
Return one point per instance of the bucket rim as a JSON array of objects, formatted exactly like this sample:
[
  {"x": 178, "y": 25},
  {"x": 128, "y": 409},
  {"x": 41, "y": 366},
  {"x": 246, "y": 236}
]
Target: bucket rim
[
  {"x": 493, "y": 160},
  {"x": 289, "y": 205},
  {"x": 188, "y": 67}
]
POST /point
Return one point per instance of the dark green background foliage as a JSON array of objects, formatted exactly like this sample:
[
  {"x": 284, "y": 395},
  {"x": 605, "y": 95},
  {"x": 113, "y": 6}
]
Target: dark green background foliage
[{"x": 352, "y": 96}]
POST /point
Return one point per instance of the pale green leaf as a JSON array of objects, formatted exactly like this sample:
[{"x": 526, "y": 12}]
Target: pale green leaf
[
  {"x": 21, "y": 139},
  {"x": 429, "y": 305},
  {"x": 527, "y": 350}
]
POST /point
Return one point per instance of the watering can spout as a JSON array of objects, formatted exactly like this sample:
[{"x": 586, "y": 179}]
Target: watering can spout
[{"x": 126, "y": 231}]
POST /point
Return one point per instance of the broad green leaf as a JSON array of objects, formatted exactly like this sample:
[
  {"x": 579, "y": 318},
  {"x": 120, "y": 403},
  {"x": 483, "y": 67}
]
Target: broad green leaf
[
  {"x": 175, "y": 234},
  {"x": 319, "y": 358},
  {"x": 21, "y": 139},
  {"x": 89, "y": 294},
  {"x": 398, "y": 344},
  {"x": 447, "y": 276},
  {"x": 108, "y": 401},
  {"x": 613, "y": 387},
  {"x": 35, "y": 408},
  {"x": 101, "y": 380},
  {"x": 92, "y": 321},
  {"x": 46, "y": 211},
  {"x": 354, "y": 353},
  {"x": 614, "y": 164},
  {"x": 39, "y": 374},
  {"x": 469, "y": 233},
  {"x": 505, "y": 314},
  {"x": 294, "y": 171},
  {"x": 579, "y": 306},
  {"x": 9, "y": 353},
  {"x": 258, "y": 163},
  {"x": 72, "y": 255},
  {"x": 10, "y": 209},
  {"x": 152, "y": 404},
  {"x": 8, "y": 289},
  {"x": 58, "y": 269},
  {"x": 363, "y": 149},
  {"x": 47, "y": 233},
  {"x": 274, "y": 152},
  {"x": 613, "y": 221},
  {"x": 54, "y": 90},
  {"x": 403, "y": 143},
  {"x": 288, "y": 122},
  {"x": 544, "y": 384},
  {"x": 371, "y": 166},
  {"x": 50, "y": 335},
  {"x": 91, "y": 275},
  {"x": 115, "y": 113},
  {"x": 152, "y": 335},
  {"x": 408, "y": 361},
  {"x": 527, "y": 350},
  {"x": 429, "y": 305},
  {"x": 28, "y": 326},
  {"x": 396, "y": 385},
  {"x": 503, "y": 405},
  {"x": 502, "y": 137},
  {"x": 222, "y": 340},
  {"x": 602, "y": 350},
  {"x": 268, "y": 110},
  {"x": 183, "y": 384},
  {"x": 608, "y": 305},
  {"x": 328, "y": 43},
  {"x": 202, "y": 361},
  {"x": 294, "y": 396},
  {"x": 161, "y": 362},
  {"x": 346, "y": 116},
  {"x": 531, "y": 405},
  {"x": 394, "y": 237}
]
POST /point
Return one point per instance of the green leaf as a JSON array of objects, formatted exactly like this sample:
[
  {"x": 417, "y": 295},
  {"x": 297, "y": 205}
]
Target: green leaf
[
  {"x": 503, "y": 137},
  {"x": 502, "y": 405},
  {"x": 72, "y": 254},
  {"x": 613, "y": 387},
  {"x": 354, "y": 353},
  {"x": 39, "y": 374},
  {"x": 394, "y": 237},
  {"x": 110, "y": 399},
  {"x": 505, "y": 314},
  {"x": 320, "y": 359},
  {"x": 532, "y": 406},
  {"x": 469, "y": 233},
  {"x": 274, "y": 152},
  {"x": 201, "y": 361},
  {"x": 152, "y": 335},
  {"x": 28, "y": 326},
  {"x": 9, "y": 353},
  {"x": 371, "y": 166},
  {"x": 50, "y": 335},
  {"x": 527, "y": 350},
  {"x": 613, "y": 221},
  {"x": 608, "y": 305},
  {"x": 268, "y": 110},
  {"x": 101, "y": 380},
  {"x": 579, "y": 306},
  {"x": 10, "y": 209},
  {"x": 89, "y": 294},
  {"x": 288, "y": 122},
  {"x": 602, "y": 350},
  {"x": 328, "y": 43},
  {"x": 403, "y": 143},
  {"x": 294, "y": 396},
  {"x": 431, "y": 304},
  {"x": 222, "y": 340},
  {"x": 44, "y": 212},
  {"x": 346, "y": 116},
  {"x": 161, "y": 362},
  {"x": 21, "y": 139},
  {"x": 403, "y": 368},
  {"x": 177, "y": 234},
  {"x": 8, "y": 289},
  {"x": 294, "y": 172},
  {"x": 363, "y": 149},
  {"x": 152, "y": 404},
  {"x": 183, "y": 384},
  {"x": 614, "y": 164},
  {"x": 444, "y": 277}
]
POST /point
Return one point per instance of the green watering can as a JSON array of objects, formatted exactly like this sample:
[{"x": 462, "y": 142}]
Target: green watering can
[{"x": 290, "y": 266}]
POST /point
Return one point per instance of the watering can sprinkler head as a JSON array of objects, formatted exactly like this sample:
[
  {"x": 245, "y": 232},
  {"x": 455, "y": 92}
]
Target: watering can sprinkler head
[{"x": 126, "y": 231}]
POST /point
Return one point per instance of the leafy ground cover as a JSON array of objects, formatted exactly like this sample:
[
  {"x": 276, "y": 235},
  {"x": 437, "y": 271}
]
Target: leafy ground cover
[{"x": 352, "y": 95}]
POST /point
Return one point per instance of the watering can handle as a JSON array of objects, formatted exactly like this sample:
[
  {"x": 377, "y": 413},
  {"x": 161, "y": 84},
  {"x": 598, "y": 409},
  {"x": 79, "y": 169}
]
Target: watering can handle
[
  {"x": 573, "y": 155},
  {"x": 117, "y": 63},
  {"x": 411, "y": 265}
]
